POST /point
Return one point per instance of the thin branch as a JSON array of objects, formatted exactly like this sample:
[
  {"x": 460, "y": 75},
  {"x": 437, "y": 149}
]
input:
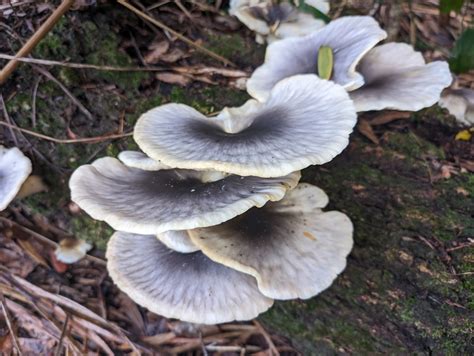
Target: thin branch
[
  {"x": 59, "y": 347},
  {"x": 35, "y": 39},
  {"x": 66, "y": 91},
  {"x": 66, "y": 141},
  {"x": 7, "y": 117},
  {"x": 177, "y": 34},
  {"x": 273, "y": 350},
  {"x": 9, "y": 324}
]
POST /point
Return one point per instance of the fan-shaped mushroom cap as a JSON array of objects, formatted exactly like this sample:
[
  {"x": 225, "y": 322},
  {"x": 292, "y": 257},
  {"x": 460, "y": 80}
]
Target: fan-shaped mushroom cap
[
  {"x": 396, "y": 77},
  {"x": 293, "y": 248},
  {"x": 140, "y": 160},
  {"x": 190, "y": 286},
  {"x": 276, "y": 20},
  {"x": 178, "y": 241},
  {"x": 350, "y": 38},
  {"x": 460, "y": 104},
  {"x": 305, "y": 121},
  {"x": 151, "y": 202},
  {"x": 15, "y": 167},
  {"x": 71, "y": 250}
]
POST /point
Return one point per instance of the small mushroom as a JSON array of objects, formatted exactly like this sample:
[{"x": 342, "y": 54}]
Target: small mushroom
[
  {"x": 460, "y": 104},
  {"x": 189, "y": 287},
  {"x": 15, "y": 168},
  {"x": 292, "y": 247},
  {"x": 397, "y": 77},
  {"x": 275, "y": 20},
  {"x": 305, "y": 121},
  {"x": 178, "y": 241},
  {"x": 70, "y": 250},
  {"x": 390, "y": 76},
  {"x": 151, "y": 202},
  {"x": 350, "y": 38}
]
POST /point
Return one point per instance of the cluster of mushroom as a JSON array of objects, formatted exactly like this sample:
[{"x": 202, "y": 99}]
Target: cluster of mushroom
[
  {"x": 273, "y": 20},
  {"x": 211, "y": 223}
]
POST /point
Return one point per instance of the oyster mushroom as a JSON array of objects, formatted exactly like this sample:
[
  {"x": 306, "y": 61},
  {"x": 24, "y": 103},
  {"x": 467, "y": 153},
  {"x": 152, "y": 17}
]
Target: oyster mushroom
[
  {"x": 391, "y": 76},
  {"x": 189, "y": 287},
  {"x": 70, "y": 250},
  {"x": 273, "y": 20},
  {"x": 292, "y": 247},
  {"x": 15, "y": 168},
  {"x": 460, "y": 104},
  {"x": 178, "y": 241},
  {"x": 151, "y": 202},
  {"x": 305, "y": 121}
]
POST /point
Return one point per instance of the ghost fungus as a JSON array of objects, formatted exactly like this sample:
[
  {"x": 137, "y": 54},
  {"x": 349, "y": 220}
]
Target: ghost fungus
[
  {"x": 292, "y": 247},
  {"x": 390, "y": 76},
  {"x": 460, "y": 104},
  {"x": 275, "y": 20},
  {"x": 190, "y": 286},
  {"x": 151, "y": 202},
  {"x": 178, "y": 241},
  {"x": 397, "y": 77},
  {"x": 140, "y": 160},
  {"x": 305, "y": 121},
  {"x": 15, "y": 168},
  {"x": 71, "y": 250},
  {"x": 350, "y": 38}
]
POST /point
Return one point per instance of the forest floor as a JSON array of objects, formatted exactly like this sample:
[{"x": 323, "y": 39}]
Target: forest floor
[{"x": 404, "y": 180}]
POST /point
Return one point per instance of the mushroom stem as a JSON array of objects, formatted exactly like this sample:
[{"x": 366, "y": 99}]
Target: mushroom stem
[{"x": 325, "y": 62}]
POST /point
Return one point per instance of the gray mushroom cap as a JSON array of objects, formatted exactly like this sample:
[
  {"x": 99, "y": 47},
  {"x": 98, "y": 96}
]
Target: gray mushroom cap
[
  {"x": 15, "y": 168},
  {"x": 291, "y": 247},
  {"x": 151, "y": 202},
  {"x": 460, "y": 104},
  {"x": 305, "y": 121},
  {"x": 397, "y": 77},
  {"x": 178, "y": 241},
  {"x": 189, "y": 287},
  {"x": 350, "y": 38}
]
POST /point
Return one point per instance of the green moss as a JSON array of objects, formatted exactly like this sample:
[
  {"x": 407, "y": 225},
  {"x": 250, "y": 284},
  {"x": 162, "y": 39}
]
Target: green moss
[
  {"x": 96, "y": 232},
  {"x": 413, "y": 146}
]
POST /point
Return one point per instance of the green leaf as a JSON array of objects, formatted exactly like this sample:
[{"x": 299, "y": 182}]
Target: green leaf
[
  {"x": 462, "y": 56},
  {"x": 446, "y": 6},
  {"x": 313, "y": 11},
  {"x": 325, "y": 62}
]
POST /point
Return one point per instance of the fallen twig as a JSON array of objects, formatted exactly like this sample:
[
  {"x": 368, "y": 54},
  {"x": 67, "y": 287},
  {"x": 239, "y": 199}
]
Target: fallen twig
[
  {"x": 36, "y": 38},
  {"x": 177, "y": 34},
  {"x": 67, "y": 141},
  {"x": 9, "y": 324}
]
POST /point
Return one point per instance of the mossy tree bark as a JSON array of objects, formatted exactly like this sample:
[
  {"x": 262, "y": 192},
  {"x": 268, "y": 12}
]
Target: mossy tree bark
[{"x": 407, "y": 284}]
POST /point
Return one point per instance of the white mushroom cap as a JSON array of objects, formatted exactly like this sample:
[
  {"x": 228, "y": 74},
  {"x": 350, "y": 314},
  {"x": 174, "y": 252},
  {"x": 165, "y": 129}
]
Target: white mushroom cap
[
  {"x": 460, "y": 104},
  {"x": 15, "y": 167},
  {"x": 350, "y": 38},
  {"x": 178, "y": 241},
  {"x": 188, "y": 286},
  {"x": 71, "y": 250},
  {"x": 291, "y": 247},
  {"x": 305, "y": 121},
  {"x": 276, "y": 20},
  {"x": 140, "y": 160},
  {"x": 396, "y": 77},
  {"x": 151, "y": 202}
]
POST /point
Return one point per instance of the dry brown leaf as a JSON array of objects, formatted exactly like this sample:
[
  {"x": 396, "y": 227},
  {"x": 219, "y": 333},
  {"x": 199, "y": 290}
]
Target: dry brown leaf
[
  {"x": 32, "y": 252},
  {"x": 159, "y": 339},
  {"x": 386, "y": 117},
  {"x": 174, "y": 55},
  {"x": 32, "y": 185},
  {"x": 157, "y": 49},
  {"x": 366, "y": 129},
  {"x": 173, "y": 78}
]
